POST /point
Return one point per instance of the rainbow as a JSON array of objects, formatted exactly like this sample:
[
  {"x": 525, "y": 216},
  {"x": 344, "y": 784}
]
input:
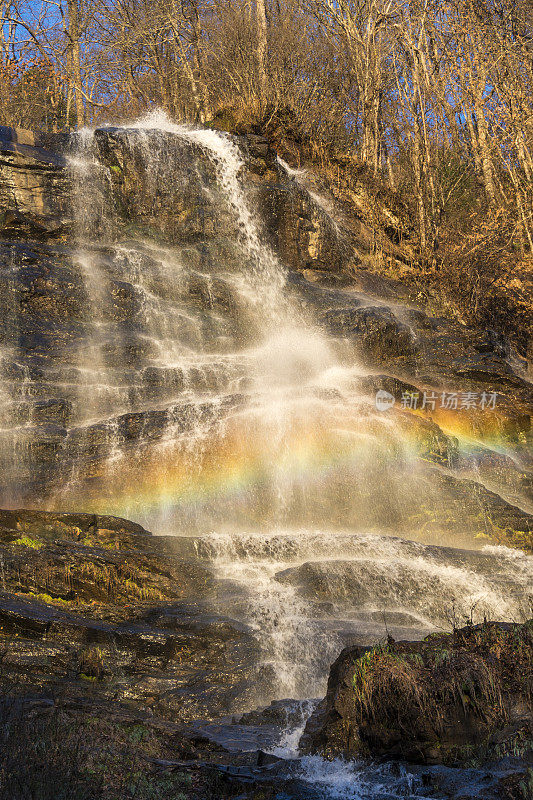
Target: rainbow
[{"x": 226, "y": 466}]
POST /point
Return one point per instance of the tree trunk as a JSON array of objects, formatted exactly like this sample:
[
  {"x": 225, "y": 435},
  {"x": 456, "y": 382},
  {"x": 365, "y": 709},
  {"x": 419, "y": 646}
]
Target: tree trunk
[
  {"x": 75, "y": 60},
  {"x": 261, "y": 23},
  {"x": 200, "y": 66},
  {"x": 419, "y": 191},
  {"x": 484, "y": 150}
]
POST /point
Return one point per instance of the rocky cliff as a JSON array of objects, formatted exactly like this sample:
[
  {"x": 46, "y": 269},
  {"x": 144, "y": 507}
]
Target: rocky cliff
[
  {"x": 188, "y": 336},
  {"x": 49, "y": 205},
  {"x": 121, "y": 302}
]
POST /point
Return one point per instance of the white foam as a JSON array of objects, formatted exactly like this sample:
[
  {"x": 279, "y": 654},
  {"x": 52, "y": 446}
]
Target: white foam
[{"x": 352, "y": 780}]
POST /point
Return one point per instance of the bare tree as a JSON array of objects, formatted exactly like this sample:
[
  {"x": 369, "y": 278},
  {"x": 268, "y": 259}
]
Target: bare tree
[{"x": 74, "y": 58}]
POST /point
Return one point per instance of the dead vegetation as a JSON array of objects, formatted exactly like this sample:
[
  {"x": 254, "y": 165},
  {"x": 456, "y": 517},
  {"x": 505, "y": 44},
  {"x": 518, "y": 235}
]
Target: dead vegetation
[
  {"x": 478, "y": 678},
  {"x": 425, "y": 105}
]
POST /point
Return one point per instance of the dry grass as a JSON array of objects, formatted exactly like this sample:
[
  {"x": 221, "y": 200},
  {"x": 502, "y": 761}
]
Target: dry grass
[{"x": 412, "y": 687}]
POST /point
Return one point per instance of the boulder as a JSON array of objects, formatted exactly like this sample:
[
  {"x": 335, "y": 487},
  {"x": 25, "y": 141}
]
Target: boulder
[{"x": 447, "y": 699}]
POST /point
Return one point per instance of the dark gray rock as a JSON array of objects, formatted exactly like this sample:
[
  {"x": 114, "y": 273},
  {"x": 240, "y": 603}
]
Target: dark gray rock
[
  {"x": 429, "y": 702},
  {"x": 379, "y": 336},
  {"x": 97, "y": 602}
]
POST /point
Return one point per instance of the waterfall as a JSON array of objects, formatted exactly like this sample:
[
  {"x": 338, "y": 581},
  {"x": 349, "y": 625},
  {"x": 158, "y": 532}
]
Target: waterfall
[
  {"x": 202, "y": 399},
  {"x": 264, "y": 278}
]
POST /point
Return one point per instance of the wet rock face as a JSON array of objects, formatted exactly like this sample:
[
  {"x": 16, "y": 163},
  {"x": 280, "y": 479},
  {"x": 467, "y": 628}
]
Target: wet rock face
[
  {"x": 122, "y": 311},
  {"x": 34, "y": 185},
  {"x": 97, "y": 605},
  {"x": 175, "y": 207},
  {"x": 171, "y": 207},
  {"x": 81, "y": 336},
  {"x": 448, "y": 699},
  {"x": 379, "y": 335}
]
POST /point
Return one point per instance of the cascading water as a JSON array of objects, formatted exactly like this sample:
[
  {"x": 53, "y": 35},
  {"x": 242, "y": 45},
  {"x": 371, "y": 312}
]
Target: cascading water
[
  {"x": 205, "y": 402},
  {"x": 264, "y": 446},
  {"x": 288, "y": 355}
]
